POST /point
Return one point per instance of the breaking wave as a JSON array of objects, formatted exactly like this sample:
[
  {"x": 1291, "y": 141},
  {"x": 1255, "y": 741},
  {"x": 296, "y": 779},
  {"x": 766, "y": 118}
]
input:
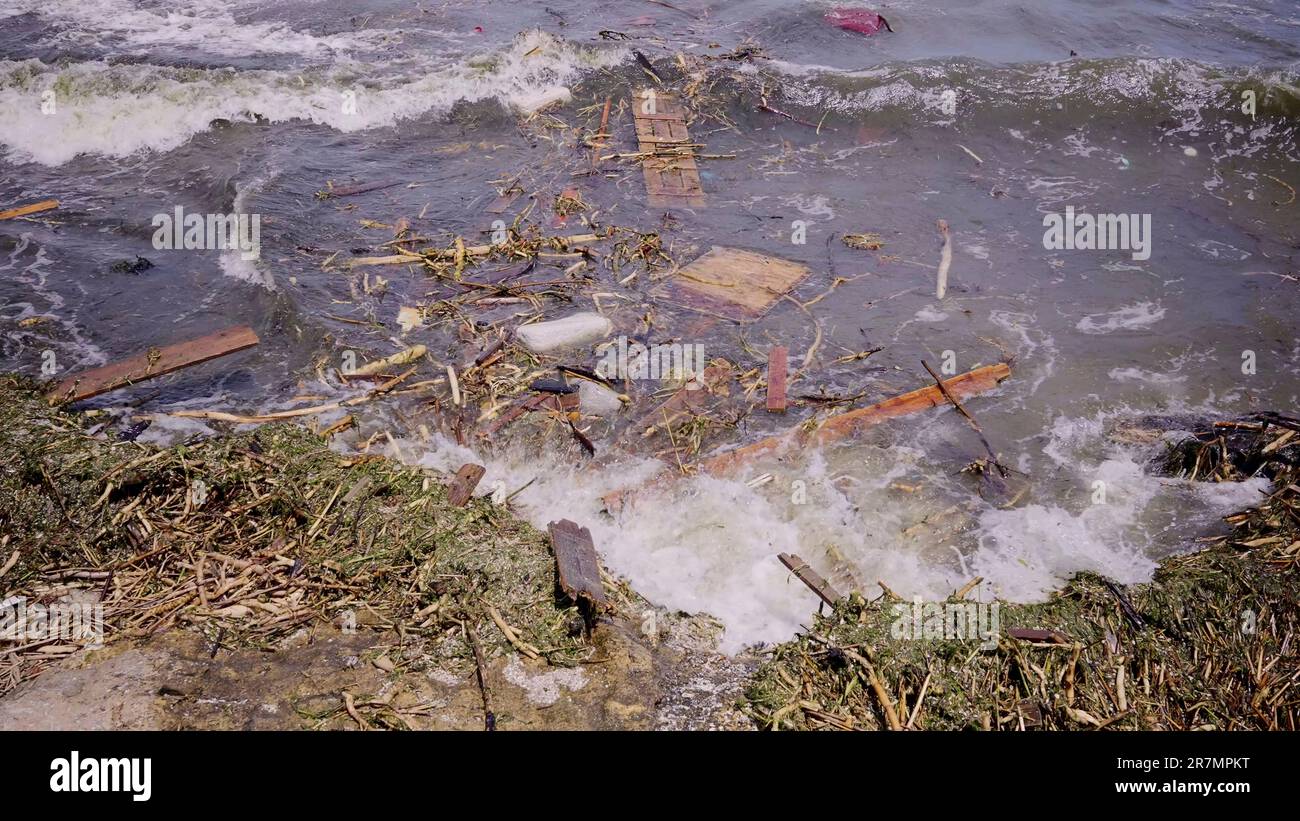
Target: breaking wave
[{"x": 116, "y": 110}]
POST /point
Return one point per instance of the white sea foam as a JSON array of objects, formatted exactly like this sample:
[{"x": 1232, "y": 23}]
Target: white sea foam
[
  {"x": 206, "y": 26},
  {"x": 709, "y": 545},
  {"x": 118, "y": 110},
  {"x": 1129, "y": 318}
]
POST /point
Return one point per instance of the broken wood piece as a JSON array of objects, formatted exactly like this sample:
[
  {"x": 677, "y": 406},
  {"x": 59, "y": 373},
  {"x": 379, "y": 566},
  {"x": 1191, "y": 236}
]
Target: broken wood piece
[
  {"x": 392, "y": 259},
  {"x": 938, "y": 383},
  {"x": 350, "y": 190},
  {"x": 154, "y": 362},
  {"x": 777, "y": 360},
  {"x": 687, "y": 399},
  {"x": 808, "y": 576},
  {"x": 841, "y": 426},
  {"x": 380, "y": 365},
  {"x": 671, "y": 175},
  {"x": 277, "y": 416},
  {"x": 576, "y": 563},
  {"x": 512, "y": 413},
  {"x": 462, "y": 487},
  {"x": 598, "y": 142},
  {"x": 33, "y": 208},
  {"x": 851, "y": 423},
  {"x": 732, "y": 283}
]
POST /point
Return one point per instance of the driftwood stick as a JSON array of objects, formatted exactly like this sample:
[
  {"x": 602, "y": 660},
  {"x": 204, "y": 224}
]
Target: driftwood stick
[{"x": 993, "y": 457}]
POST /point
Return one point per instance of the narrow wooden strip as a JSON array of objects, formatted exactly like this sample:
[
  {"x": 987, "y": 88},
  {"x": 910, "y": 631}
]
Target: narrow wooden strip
[
  {"x": 777, "y": 360},
  {"x": 394, "y": 259},
  {"x": 155, "y": 362},
  {"x": 33, "y": 208},
  {"x": 851, "y": 423},
  {"x": 808, "y": 576}
]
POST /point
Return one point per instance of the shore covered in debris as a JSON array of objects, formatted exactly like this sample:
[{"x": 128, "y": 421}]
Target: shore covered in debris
[
  {"x": 405, "y": 609},
  {"x": 1209, "y": 644}
]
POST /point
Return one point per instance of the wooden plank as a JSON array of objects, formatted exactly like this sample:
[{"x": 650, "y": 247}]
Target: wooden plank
[
  {"x": 503, "y": 202},
  {"x": 576, "y": 562},
  {"x": 732, "y": 283},
  {"x": 33, "y": 208},
  {"x": 672, "y": 178},
  {"x": 352, "y": 190},
  {"x": 808, "y": 576},
  {"x": 851, "y": 423},
  {"x": 716, "y": 374},
  {"x": 841, "y": 426},
  {"x": 462, "y": 487},
  {"x": 154, "y": 362},
  {"x": 777, "y": 361}
]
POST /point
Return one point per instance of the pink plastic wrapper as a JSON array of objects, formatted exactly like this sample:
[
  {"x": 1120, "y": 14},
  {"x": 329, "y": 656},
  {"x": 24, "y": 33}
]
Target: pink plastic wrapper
[{"x": 863, "y": 21}]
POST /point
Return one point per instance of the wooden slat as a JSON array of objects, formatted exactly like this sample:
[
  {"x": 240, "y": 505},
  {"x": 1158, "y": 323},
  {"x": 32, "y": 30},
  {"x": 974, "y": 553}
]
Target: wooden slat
[
  {"x": 462, "y": 487},
  {"x": 576, "y": 562},
  {"x": 841, "y": 426},
  {"x": 33, "y": 208},
  {"x": 851, "y": 423},
  {"x": 777, "y": 360},
  {"x": 670, "y": 180},
  {"x": 808, "y": 576},
  {"x": 732, "y": 283},
  {"x": 155, "y": 362}
]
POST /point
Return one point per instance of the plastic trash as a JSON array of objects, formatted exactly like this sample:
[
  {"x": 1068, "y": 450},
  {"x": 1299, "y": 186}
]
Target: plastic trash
[
  {"x": 598, "y": 400},
  {"x": 528, "y": 103},
  {"x": 863, "y": 21},
  {"x": 569, "y": 332}
]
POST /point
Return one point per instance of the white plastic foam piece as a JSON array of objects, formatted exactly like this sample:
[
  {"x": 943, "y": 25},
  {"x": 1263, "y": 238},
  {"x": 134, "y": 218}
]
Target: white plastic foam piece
[
  {"x": 528, "y": 103},
  {"x": 569, "y": 332},
  {"x": 598, "y": 400}
]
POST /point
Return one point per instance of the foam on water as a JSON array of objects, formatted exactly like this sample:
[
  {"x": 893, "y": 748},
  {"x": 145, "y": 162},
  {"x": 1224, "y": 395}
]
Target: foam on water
[
  {"x": 30, "y": 269},
  {"x": 117, "y": 110},
  {"x": 709, "y": 545},
  {"x": 206, "y": 26},
  {"x": 1128, "y": 318}
]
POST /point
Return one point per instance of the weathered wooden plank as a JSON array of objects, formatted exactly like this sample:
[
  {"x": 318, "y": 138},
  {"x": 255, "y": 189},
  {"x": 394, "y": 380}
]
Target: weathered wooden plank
[
  {"x": 732, "y": 283},
  {"x": 33, "y": 208},
  {"x": 154, "y": 362},
  {"x": 671, "y": 179},
  {"x": 851, "y": 423},
  {"x": 576, "y": 562},
  {"x": 841, "y": 426},
  {"x": 462, "y": 487},
  {"x": 808, "y": 576},
  {"x": 685, "y": 400},
  {"x": 777, "y": 360}
]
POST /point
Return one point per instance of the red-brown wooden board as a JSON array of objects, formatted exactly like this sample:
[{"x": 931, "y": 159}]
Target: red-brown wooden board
[{"x": 154, "y": 362}]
